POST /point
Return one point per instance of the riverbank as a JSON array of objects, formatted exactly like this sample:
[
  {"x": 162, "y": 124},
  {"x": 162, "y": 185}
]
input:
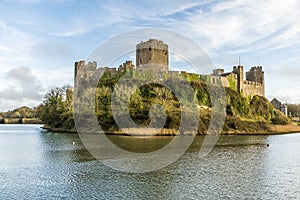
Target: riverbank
[
  {"x": 269, "y": 129},
  {"x": 59, "y": 130}
]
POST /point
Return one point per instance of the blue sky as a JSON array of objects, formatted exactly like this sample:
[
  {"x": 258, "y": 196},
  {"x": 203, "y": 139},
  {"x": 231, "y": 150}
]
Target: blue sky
[{"x": 40, "y": 40}]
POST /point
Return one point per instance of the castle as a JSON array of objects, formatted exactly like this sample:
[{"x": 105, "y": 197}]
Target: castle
[
  {"x": 253, "y": 85},
  {"x": 153, "y": 54}
]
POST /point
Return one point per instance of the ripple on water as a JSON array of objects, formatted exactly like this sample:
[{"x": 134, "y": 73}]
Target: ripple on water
[{"x": 238, "y": 167}]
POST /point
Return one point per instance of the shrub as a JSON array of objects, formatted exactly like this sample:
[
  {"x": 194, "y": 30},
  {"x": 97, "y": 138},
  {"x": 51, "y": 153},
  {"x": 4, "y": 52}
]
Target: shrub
[{"x": 279, "y": 120}]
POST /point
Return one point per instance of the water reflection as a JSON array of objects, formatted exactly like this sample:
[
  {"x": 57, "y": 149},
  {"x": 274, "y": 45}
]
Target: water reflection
[
  {"x": 19, "y": 146},
  {"x": 140, "y": 144},
  {"x": 283, "y": 166},
  {"x": 38, "y": 164},
  {"x": 65, "y": 148}
]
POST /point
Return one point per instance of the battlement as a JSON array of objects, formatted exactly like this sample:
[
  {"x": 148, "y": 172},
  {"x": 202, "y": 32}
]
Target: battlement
[
  {"x": 256, "y": 68},
  {"x": 153, "y": 55},
  {"x": 217, "y": 72},
  {"x": 255, "y": 74},
  {"x": 252, "y": 83},
  {"x": 91, "y": 66},
  {"x": 126, "y": 66},
  {"x": 152, "y": 43}
]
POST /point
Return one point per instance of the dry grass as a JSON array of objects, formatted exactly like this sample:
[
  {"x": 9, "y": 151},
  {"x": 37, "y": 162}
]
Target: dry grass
[{"x": 283, "y": 128}]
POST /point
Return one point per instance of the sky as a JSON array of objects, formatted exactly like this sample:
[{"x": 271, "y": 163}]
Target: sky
[{"x": 40, "y": 40}]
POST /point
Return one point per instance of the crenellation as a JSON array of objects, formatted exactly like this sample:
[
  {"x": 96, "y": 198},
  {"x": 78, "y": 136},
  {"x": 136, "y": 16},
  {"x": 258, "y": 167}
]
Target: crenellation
[
  {"x": 91, "y": 66},
  {"x": 255, "y": 74},
  {"x": 217, "y": 72},
  {"x": 253, "y": 85},
  {"x": 126, "y": 66},
  {"x": 156, "y": 52}
]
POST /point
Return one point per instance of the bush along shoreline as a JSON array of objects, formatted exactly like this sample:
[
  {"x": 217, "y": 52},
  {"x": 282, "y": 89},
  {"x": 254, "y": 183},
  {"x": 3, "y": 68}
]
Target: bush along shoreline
[{"x": 244, "y": 115}]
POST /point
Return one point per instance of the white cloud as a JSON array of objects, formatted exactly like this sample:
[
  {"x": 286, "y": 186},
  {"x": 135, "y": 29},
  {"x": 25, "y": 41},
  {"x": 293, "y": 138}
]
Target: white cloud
[
  {"x": 248, "y": 25},
  {"x": 14, "y": 46},
  {"x": 88, "y": 17},
  {"x": 25, "y": 86},
  {"x": 55, "y": 77},
  {"x": 20, "y": 86},
  {"x": 225, "y": 29}
]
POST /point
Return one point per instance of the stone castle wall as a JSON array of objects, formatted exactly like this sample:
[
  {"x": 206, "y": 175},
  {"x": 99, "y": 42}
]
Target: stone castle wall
[
  {"x": 82, "y": 70},
  {"x": 254, "y": 83},
  {"x": 246, "y": 87},
  {"x": 251, "y": 88},
  {"x": 255, "y": 74},
  {"x": 223, "y": 79},
  {"x": 153, "y": 55}
]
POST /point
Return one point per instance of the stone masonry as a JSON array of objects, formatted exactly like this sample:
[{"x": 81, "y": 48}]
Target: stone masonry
[{"x": 154, "y": 54}]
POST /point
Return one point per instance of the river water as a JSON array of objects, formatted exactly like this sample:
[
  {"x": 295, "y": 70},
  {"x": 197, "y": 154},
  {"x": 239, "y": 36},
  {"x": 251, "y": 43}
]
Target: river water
[{"x": 35, "y": 164}]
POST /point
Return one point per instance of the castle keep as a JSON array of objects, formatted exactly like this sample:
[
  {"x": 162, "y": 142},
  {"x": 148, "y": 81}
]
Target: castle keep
[{"x": 154, "y": 55}]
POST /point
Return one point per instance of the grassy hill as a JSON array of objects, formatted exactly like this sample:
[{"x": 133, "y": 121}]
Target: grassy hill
[{"x": 243, "y": 114}]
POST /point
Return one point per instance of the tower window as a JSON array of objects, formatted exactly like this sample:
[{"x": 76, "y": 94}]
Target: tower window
[
  {"x": 141, "y": 61},
  {"x": 149, "y": 48}
]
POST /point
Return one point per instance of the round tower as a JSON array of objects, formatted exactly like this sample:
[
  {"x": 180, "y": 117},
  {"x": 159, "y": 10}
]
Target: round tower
[{"x": 154, "y": 54}]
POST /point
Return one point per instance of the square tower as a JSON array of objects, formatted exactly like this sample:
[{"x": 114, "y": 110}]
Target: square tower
[
  {"x": 239, "y": 71},
  {"x": 255, "y": 74}
]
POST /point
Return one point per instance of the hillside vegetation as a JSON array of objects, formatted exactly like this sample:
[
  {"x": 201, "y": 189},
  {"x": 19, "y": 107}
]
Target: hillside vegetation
[
  {"x": 22, "y": 115},
  {"x": 244, "y": 114},
  {"x": 22, "y": 112}
]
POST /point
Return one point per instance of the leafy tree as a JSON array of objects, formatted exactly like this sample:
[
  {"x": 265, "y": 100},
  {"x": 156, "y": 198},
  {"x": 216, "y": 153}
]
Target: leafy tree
[{"x": 56, "y": 110}]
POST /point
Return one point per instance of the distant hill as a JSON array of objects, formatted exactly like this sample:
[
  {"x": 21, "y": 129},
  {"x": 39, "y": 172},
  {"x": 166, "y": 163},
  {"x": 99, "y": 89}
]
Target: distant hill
[{"x": 22, "y": 112}]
